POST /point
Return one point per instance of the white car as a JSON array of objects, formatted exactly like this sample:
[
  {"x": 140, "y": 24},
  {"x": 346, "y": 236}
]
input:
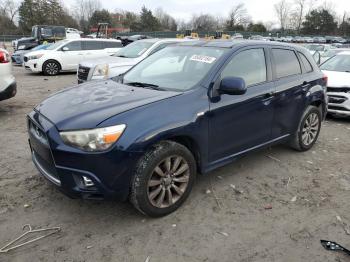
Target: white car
[
  {"x": 337, "y": 69},
  {"x": 123, "y": 60},
  {"x": 8, "y": 87},
  {"x": 65, "y": 55}
]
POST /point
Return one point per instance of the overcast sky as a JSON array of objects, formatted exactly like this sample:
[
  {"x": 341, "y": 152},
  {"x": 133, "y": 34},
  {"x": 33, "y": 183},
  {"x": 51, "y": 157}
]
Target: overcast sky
[{"x": 259, "y": 10}]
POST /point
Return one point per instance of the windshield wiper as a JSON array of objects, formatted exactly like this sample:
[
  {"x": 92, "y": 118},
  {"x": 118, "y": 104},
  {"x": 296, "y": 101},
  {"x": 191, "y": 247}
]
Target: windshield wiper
[{"x": 145, "y": 85}]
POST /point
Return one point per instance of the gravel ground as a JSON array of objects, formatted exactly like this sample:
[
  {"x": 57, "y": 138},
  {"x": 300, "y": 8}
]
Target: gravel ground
[{"x": 285, "y": 202}]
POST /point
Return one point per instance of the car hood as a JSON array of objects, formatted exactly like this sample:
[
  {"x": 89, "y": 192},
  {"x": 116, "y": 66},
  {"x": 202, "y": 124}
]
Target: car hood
[
  {"x": 37, "y": 52},
  {"x": 112, "y": 61},
  {"x": 337, "y": 79},
  {"x": 87, "y": 105}
]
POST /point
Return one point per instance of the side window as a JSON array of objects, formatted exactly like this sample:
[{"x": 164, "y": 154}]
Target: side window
[
  {"x": 93, "y": 45},
  {"x": 160, "y": 47},
  {"x": 249, "y": 65},
  {"x": 286, "y": 62},
  {"x": 73, "y": 46},
  {"x": 306, "y": 62},
  {"x": 112, "y": 45}
]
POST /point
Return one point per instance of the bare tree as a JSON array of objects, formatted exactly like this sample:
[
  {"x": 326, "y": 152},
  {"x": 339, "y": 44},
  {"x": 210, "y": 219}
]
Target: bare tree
[
  {"x": 9, "y": 8},
  {"x": 84, "y": 9},
  {"x": 238, "y": 16},
  {"x": 282, "y": 11},
  {"x": 203, "y": 22},
  {"x": 300, "y": 12}
]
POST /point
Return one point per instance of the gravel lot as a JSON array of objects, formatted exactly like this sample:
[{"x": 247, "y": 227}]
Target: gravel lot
[{"x": 288, "y": 202}]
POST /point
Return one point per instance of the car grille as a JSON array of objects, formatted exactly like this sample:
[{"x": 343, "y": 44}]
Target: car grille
[
  {"x": 338, "y": 89},
  {"x": 83, "y": 72},
  {"x": 336, "y": 99},
  {"x": 41, "y": 153},
  {"x": 25, "y": 59}
]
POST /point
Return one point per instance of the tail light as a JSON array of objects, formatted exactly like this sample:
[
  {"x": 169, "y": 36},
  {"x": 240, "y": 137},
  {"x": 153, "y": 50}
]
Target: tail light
[{"x": 4, "y": 57}]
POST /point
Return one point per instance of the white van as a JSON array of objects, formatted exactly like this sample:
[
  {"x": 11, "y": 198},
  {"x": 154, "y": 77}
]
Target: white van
[{"x": 66, "y": 55}]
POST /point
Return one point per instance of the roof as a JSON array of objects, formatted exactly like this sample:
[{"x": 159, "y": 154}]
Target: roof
[{"x": 233, "y": 43}]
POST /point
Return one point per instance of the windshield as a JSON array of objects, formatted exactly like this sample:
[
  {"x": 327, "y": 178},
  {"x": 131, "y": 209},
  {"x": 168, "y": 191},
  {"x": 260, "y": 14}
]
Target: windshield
[
  {"x": 177, "y": 68},
  {"x": 315, "y": 47},
  {"x": 134, "y": 50},
  {"x": 41, "y": 47},
  {"x": 340, "y": 63},
  {"x": 57, "y": 44},
  {"x": 34, "y": 32}
]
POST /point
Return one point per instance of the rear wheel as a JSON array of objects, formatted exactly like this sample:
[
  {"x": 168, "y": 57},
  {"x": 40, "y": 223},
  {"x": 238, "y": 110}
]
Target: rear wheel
[
  {"x": 51, "y": 68},
  {"x": 308, "y": 129},
  {"x": 163, "y": 180}
]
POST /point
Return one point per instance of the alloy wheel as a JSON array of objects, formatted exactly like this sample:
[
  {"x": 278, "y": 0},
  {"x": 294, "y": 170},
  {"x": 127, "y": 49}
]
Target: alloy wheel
[
  {"x": 51, "y": 68},
  {"x": 168, "y": 181},
  {"x": 310, "y": 129}
]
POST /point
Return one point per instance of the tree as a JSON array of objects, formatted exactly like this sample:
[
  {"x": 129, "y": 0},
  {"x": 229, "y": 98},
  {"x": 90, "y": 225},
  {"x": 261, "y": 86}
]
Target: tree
[
  {"x": 9, "y": 8},
  {"x": 319, "y": 22},
  {"x": 102, "y": 16},
  {"x": 259, "y": 27},
  {"x": 238, "y": 18},
  {"x": 299, "y": 13},
  {"x": 203, "y": 22},
  {"x": 147, "y": 22},
  {"x": 166, "y": 21},
  {"x": 282, "y": 11},
  {"x": 83, "y": 11},
  {"x": 344, "y": 26}
]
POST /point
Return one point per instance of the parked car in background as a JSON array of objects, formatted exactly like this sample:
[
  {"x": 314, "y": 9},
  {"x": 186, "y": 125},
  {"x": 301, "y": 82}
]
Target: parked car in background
[
  {"x": 337, "y": 70},
  {"x": 66, "y": 55},
  {"x": 130, "y": 39},
  {"x": 332, "y": 52},
  {"x": 319, "y": 39},
  {"x": 123, "y": 60},
  {"x": 187, "y": 108},
  {"x": 308, "y": 40},
  {"x": 297, "y": 39},
  {"x": 8, "y": 87},
  {"x": 256, "y": 37},
  {"x": 18, "y": 56},
  {"x": 237, "y": 36}
]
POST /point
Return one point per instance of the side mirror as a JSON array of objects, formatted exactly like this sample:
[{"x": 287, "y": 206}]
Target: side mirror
[
  {"x": 232, "y": 86},
  {"x": 317, "y": 57},
  {"x": 65, "y": 49}
]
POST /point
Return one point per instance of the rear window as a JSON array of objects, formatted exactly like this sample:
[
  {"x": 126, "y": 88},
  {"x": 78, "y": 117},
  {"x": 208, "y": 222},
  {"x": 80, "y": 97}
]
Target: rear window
[
  {"x": 93, "y": 45},
  {"x": 113, "y": 45},
  {"x": 306, "y": 62},
  {"x": 286, "y": 62}
]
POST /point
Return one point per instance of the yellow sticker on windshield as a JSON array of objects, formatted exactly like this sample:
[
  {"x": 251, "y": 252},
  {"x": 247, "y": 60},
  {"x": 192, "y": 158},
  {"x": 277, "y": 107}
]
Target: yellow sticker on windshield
[{"x": 203, "y": 59}]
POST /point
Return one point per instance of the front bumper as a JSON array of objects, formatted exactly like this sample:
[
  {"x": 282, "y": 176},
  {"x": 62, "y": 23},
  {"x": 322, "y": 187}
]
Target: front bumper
[
  {"x": 66, "y": 167},
  {"x": 33, "y": 65},
  {"x": 339, "y": 103},
  {"x": 9, "y": 92}
]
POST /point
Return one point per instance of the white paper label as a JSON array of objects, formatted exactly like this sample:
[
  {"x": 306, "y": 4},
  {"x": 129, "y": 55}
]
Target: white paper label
[{"x": 203, "y": 59}]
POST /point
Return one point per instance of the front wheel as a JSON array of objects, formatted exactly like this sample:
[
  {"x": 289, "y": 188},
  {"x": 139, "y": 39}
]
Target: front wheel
[
  {"x": 163, "y": 179},
  {"x": 308, "y": 129},
  {"x": 51, "y": 68}
]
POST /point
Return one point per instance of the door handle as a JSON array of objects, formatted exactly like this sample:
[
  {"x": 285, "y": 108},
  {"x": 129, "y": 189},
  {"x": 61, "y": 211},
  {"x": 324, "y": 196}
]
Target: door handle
[{"x": 270, "y": 94}]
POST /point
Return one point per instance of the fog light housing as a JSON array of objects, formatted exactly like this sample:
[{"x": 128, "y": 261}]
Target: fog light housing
[{"x": 87, "y": 182}]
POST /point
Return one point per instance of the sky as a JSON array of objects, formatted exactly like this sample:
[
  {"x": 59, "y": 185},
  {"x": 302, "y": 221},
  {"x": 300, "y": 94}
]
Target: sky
[{"x": 259, "y": 10}]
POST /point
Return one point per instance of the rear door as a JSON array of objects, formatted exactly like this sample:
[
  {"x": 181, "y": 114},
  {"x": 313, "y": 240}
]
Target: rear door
[
  {"x": 238, "y": 123},
  {"x": 291, "y": 89},
  {"x": 93, "y": 49},
  {"x": 72, "y": 55}
]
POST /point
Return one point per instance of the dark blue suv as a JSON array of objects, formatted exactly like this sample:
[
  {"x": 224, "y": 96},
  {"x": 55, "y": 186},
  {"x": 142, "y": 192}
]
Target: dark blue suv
[{"x": 187, "y": 109}]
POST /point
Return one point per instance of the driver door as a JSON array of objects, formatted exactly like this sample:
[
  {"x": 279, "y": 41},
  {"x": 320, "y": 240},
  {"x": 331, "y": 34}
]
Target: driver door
[{"x": 238, "y": 123}]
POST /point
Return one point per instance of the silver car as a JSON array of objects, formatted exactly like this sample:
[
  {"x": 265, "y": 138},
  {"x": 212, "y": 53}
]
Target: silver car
[{"x": 123, "y": 60}]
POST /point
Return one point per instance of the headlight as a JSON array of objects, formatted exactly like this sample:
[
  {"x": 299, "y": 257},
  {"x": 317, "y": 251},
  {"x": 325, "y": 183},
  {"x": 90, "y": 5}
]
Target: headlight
[
  {"x": 98, "y": 139},
  {"x": 21, "y": 47},
  {"x": 35, "y": 57},
  {"x": 101, "y": 70}
]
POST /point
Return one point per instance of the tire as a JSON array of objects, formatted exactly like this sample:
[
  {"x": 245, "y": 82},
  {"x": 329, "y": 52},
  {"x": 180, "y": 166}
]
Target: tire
[
  {"x": 51, "y": 68},
  {"x": 308, "y": 129},
  {"x": 150, "y": 186}
]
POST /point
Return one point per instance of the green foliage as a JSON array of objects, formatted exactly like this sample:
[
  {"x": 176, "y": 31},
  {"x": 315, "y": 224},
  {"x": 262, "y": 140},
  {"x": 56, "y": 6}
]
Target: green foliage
[
  {"x": 147, "y": 21},
  {"x": 259, "y": 27},
  {"x": 319, "y": 22},
  {"x": 43, "y": 12},
  {"x": 100, "y": 16}
]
